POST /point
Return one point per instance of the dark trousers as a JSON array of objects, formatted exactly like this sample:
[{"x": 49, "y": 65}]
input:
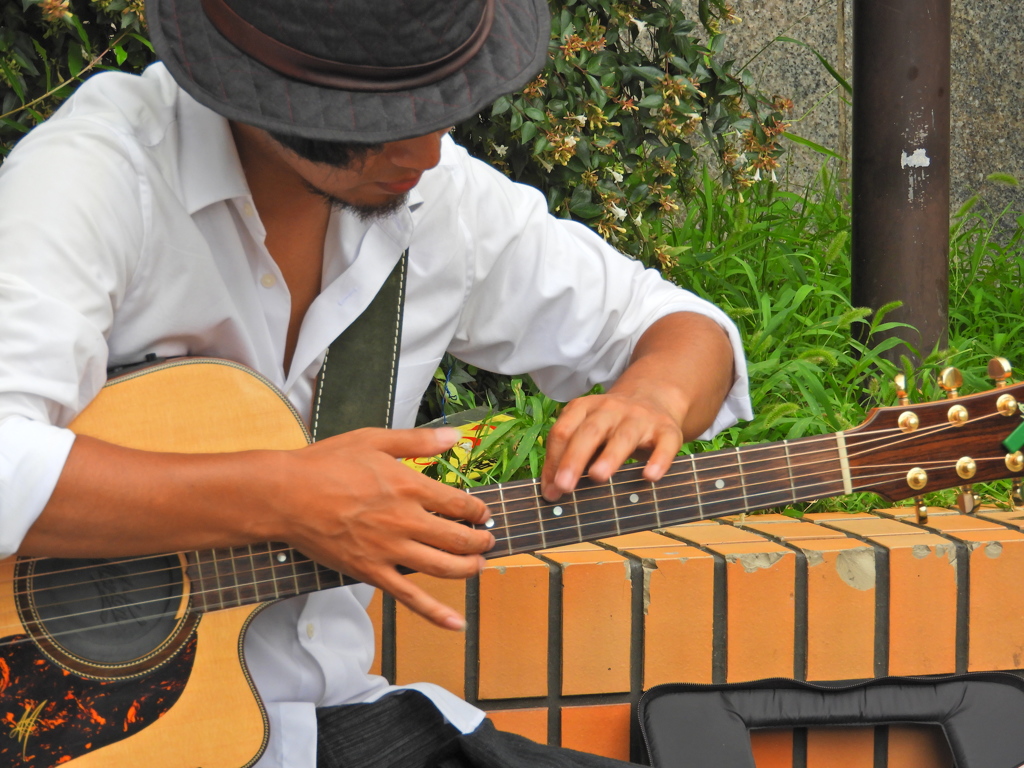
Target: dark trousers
[{"x": 405, "y": 730}]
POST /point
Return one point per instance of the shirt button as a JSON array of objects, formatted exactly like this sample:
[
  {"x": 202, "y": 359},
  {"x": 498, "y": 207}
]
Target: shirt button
[
  {"x": 247, "y": 209},
  {"x": 310, "y": 630},
  {"x": 268, "y": 281}
]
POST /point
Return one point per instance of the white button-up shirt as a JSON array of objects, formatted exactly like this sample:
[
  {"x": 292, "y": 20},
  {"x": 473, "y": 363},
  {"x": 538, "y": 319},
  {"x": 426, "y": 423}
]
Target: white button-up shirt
[{"x": 127, "y": 229}]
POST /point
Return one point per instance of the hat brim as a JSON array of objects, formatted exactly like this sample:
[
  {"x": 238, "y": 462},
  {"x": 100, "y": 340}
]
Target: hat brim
[{"x": 218, "y": 75}]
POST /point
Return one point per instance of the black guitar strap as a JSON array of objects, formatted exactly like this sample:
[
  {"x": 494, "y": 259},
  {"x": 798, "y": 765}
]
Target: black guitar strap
[{"x": 356, "y": 384}]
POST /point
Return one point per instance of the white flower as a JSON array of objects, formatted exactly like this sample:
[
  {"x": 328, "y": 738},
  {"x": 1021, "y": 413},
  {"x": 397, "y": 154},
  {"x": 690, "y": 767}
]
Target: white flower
[
  {"x": 570, "y": 141},
  {"x": 638, "y": 221},
  {"x": 616, "y": 176},
  {"x": 773, "y": 177},
  {"x": 617, "y": 212},
  {"x": 581, "y": 119},
  {"x": 500, "y": 149},
  {"x": 640, "y": 25},
  {"x": 757, "y": 174}
]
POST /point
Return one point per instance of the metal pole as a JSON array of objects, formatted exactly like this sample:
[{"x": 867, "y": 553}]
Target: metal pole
[{"x": 901, "y": 165}]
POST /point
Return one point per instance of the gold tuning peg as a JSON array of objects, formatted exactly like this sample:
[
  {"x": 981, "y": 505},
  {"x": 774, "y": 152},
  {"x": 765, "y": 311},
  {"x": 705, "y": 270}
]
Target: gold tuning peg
[
  {"x": 999, "y": 370},
  {"x": 921, "y": 509},
  {"x": 901, "y": 388},
  {"x": 1016, "y": 499},
  {"x": 950, "y": 379}
]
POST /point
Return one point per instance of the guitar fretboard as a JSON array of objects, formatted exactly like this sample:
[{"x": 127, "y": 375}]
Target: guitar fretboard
[{"x": 696, "y": 487}]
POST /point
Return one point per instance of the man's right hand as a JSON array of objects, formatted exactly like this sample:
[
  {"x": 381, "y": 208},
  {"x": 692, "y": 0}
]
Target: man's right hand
[
  {"x": 359, "y": 511},
  {"x": 346, "y": 502}
]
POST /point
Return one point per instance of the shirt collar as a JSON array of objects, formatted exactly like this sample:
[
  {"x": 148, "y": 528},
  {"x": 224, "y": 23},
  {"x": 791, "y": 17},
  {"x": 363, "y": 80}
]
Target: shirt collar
[
  {"x": 208, "y": 161},
  {"x": 211, "y": 171}
]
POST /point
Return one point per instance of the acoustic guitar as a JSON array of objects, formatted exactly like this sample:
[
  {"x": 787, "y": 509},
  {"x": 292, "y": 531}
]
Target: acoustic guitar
[{"x": 103, "y": 662}]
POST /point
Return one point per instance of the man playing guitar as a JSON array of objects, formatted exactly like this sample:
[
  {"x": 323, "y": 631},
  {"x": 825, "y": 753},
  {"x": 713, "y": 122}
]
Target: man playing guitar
[{"x": 246, "y": 199}]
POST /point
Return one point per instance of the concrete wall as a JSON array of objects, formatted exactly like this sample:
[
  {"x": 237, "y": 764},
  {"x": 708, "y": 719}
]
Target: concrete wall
[{"x": 987, "y": 87}]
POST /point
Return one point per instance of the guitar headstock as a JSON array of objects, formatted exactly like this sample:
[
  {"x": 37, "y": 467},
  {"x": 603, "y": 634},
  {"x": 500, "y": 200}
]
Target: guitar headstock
[{"x": 908, "y": 450}]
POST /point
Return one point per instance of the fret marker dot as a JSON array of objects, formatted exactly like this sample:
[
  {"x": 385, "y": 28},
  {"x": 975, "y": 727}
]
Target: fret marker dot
[
  {"x": 489, "y": 523},
  {"x": 557, "y": 511},
  {"x": 719, "y": 484},
  {"x": 634, "y": 498},
  {"x": 282, "y": 557}
]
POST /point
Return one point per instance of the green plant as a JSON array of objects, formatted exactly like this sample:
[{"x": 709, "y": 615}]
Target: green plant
[
  {"x": 633, "y": 104},
  {"x": 48, "y": 46}
]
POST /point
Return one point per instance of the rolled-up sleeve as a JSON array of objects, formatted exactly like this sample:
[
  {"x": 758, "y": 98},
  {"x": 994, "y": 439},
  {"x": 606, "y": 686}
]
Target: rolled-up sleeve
[{"x": 69, "y": 231}]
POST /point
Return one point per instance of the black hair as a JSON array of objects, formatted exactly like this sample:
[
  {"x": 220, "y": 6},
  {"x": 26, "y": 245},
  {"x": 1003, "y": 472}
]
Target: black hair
[{"x": 340, "y": 154}]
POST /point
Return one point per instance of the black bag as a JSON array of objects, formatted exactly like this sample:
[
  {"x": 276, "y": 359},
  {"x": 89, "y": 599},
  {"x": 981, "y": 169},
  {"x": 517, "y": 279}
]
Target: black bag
[{"x": 707, "y": 726}]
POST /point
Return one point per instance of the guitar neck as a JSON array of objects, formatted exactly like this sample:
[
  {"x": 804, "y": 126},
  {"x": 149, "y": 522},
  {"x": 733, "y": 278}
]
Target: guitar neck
[{"x": 696, "y": 487}]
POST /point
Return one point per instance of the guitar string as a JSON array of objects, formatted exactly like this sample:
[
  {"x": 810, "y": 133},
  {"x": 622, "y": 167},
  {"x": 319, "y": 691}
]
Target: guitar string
[
  {"x": 663, "y": 488},
  {"x": 214, "y": 591},
  {"x": 746, "y": 488},
  {"x": 575, "y": 524},
  {"x": 255, "y": 583},
  {"x": 827, "y": 439}
]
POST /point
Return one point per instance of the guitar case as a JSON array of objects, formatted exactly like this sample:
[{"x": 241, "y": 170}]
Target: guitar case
[{"x": 707, "y": 726}]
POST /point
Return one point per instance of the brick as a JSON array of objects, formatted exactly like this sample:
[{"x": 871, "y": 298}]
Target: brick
[
  {"x": 841, "y": 576},
  {"x": 758, "y": 518},
  {"x": 846, "y": 747},
  {"x": 513, "y": 624},
  {"x": 642, "y": 540},
  {"x": 760, "y": 579},
  {"x": 596, "y": 619},
  {"x": 376, "y": 611},
  {"x": 996, "y": 605},
  {"x": 954, "y": 523},
  {"x": 915, "y": 746},
  {"x": 910, "y": 513},
  {"x": 704, "y": 535},
  {"x": 424, "y": 652},
  {"x": 794, "y": 531},
  {"x": 824, "y": 517},
  {"x": 600, "y": 730},
  {"x": 679, "y": 591},
  {"x": 922, "y": 604},
  {"x": 1013, "y": 518},
  {"x": 772, "y": 748},
  {"x": 531, "y": 723},
  {"x": 872, "y": 526}
]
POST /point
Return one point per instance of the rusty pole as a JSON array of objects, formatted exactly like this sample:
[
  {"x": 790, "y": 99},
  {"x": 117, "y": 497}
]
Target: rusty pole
[{"x": 900, "y": 165}]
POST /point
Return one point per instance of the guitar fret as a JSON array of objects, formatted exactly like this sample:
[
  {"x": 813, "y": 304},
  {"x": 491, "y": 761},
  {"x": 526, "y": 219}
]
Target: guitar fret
[
  {"x": 635, "y": 505},
  {"x": 615, "y": 505},
  {"x": 526, "y": 533},
  {"x": 718, "y": 483},
  {"x": 743, "y": 484},
  {"x": 696, "y": 487},
  {"x": 595, "y": 511},
  {"x": 504, "y": 514},
  {"x": 540, "y": 521},
  {"x": 789, "y": 469},
  {"x": 561, "y": 521}
]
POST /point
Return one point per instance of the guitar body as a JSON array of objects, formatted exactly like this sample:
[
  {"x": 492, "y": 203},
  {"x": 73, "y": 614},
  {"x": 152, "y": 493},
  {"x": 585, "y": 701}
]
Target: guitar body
[{"x": 129, "y": 681}]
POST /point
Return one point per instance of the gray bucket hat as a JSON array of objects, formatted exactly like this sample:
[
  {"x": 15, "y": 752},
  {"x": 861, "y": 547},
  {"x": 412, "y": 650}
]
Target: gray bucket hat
[{"x": 367, "y": 71}]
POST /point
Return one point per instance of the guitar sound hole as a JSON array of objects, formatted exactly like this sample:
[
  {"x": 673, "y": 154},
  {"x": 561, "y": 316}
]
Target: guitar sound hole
[{"x": 106, "y": 611}]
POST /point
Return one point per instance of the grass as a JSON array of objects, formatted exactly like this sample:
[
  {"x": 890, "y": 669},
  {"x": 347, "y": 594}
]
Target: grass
[{"x": 778, "y": 262}]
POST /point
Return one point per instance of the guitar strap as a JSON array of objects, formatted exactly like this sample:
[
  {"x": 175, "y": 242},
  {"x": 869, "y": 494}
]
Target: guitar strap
[{"x": 356, "y": 384}]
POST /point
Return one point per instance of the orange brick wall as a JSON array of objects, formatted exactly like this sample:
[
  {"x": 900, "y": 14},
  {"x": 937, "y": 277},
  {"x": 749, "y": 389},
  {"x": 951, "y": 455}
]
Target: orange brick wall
[{"x": 561, "y": 643}]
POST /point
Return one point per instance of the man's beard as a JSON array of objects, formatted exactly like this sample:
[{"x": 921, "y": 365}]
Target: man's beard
[{"x": 362, "y": 212}]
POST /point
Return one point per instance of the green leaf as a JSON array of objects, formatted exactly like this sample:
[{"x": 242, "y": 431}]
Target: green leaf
[
  {"x": 1003, "y": 178},
  {"x": 528, "y": 131},
  {"x": 75, "y": 62}
]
